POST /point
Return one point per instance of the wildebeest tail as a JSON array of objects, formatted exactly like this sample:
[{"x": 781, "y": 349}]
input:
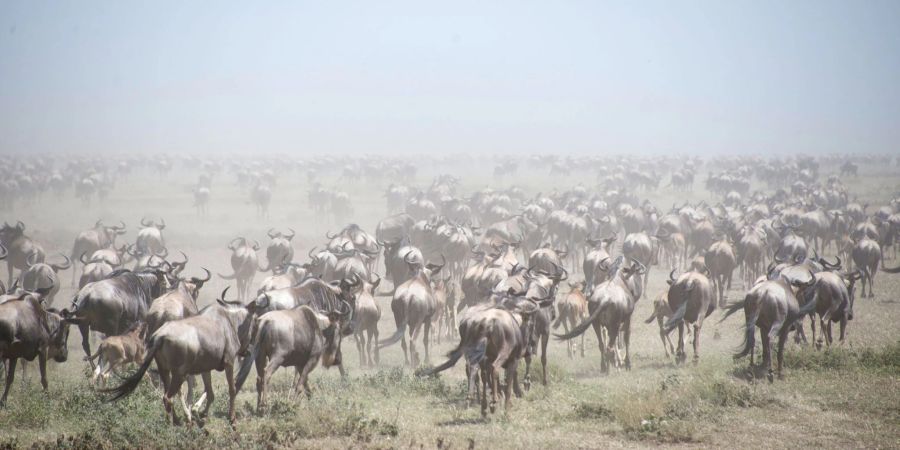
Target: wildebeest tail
[
  {"x": 256, "y": 336},
  {"x": 131, "y": 383},
  {"x": 229, "y": 277},
  {"x": 677, "y": 317},
  {"x": 651, "y": 318},
  {"x": 476, "y": 353},
  {"x": 452, "y": 359},
  {"x": 583, "y": 326},
  {"x": 749, "y": 335},
  {"x": 733, "y": 308},
  {"x": 395, "y": 337}
]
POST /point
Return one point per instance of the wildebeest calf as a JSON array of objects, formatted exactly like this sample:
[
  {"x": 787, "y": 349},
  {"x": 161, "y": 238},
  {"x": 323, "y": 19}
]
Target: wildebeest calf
[{"x": 116, "y": 351}]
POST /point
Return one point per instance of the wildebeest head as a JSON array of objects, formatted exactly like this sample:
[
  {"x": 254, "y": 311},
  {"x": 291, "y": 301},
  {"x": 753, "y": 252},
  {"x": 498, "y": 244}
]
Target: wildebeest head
[
  {"x": 9, "y": 233},
  {"x": 194, "y": 284}
]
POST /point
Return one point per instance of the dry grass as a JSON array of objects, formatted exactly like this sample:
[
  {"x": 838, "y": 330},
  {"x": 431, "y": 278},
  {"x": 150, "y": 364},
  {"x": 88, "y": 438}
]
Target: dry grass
[{"x": 837, "y": 398}]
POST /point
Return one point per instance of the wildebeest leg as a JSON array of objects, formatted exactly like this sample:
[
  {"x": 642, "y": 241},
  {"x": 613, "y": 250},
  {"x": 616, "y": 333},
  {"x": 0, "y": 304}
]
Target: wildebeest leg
[
  {"x": 495, "y": 385},
  {"x": 232, "y": 391},
  {"x": 843, "y": 328},
  {"x": 191, "y": 382},
  {"x": 663, "y": 336},
  {"x": 812, "y": 327},
  {"x": 472, "y": 376},
  {"x": 679, "y": 355},
  {"x": 373, "y": 338},
  {"x": 361, "y": 347},
  {"x": 274, "y": 363},
  {"x": 42, "y": 368},
  {"x": 304, "y": 375},
  {"x": 85, "y": 331},
  {"x": 545, "y": 338},
  {"x": 627, "y": 339},
  {"x": 569, "y": 343},
  {"x": 172, "y": 389},
  {"x": 612, "y": 346},
  {"x": 403, "y": 346},
  {"x": 598, "y": 330},
  {"x": 697, "y": 342},
  {"x": 426, "y": 340},
  {"x": 872, "y": 274},
  {"x": 766, "y": 350},
  {"x": 581, "y": 349},
  {"x": 510, "y": 381},
  {"x": 485, "y": 379},
  {"x": 414, "y": 330},
  {"x": 164, "y": 380},
  {"x": 208, "y": 395},
  {"x": 782, "y": 336},
  {"x": 10, "y": 376}
]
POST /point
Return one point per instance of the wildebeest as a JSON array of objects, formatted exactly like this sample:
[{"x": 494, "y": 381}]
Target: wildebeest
[
  {"x": 28, "y": 330},
  {"x": 311, "y": 291},
  {"x": 89, "y": 241},
  {"x": 611, "y": 304},
  {"x": 367, "y": 315},
  {"x": 112, "y": 305},
  {"x": 298, "y": 338},
  {"x": 866, "y": 255},
  {"x": 43, "y": 276},
  {"x": 661, "y": 312},
  {"x": 572, "y": 309},
  {"x": 279, "y": 250},
  {"x": 593, "y": 259},
  {"x": 196, "y": 345},
  {"x": 244, "y": 265},
  {"x": 833, "y": 297},
  {"x": 494, "y": 338},
  {"x": 773, "y": 307},
  {"x": 692, "y": 299},
  {"x": 150, "y": 239},
  {"x": 413, "y": 307},
  {"x": 284, "y": 276},
  {"x": 19, "y": 247},
  {"x": 720, "y": 261},
  {"x": 177, "y": 303},
  {"x": 116, "y": 351}
]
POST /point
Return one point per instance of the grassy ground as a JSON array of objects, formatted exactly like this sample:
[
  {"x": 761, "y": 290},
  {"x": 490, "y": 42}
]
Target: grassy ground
[{"x": 845, "y": 397}]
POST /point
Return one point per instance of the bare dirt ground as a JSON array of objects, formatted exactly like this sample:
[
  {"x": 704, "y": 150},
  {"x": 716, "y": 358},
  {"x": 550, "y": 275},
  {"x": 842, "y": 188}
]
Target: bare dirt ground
[{"x": 840, "y": 398}]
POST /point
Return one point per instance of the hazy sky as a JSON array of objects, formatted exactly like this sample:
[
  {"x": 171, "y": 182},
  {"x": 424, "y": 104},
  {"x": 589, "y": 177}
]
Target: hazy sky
[{"x": 385, "y": 76}]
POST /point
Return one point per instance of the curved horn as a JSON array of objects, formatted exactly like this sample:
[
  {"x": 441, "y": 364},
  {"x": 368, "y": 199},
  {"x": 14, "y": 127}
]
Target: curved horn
[
  {"x": 329, "y": 235},
  {"x": 272, "y": 234},
  {"x": 310, "y": 254},
  {"x": 63, "y": 266},
  {"x": 204, "y": 280},
  {"x": 145, "y": 222},
  {"x": 672, "y": 274},
  {"x": 405, "y": 257},
  {"x": 231, "y": 244},
  {"x": 3, "y": 252},
  {"x": 121, "y": 226},
  {"x": 99, "y": 223},
  {"x": 20, "y": 225},
  {"x": 81, "y": 258},
  {"x": 291, "y": 236},
  {"x": 255, "y": 244},
  {"x": 161, "y": 224},
  {"x": 30, "y": 259}
]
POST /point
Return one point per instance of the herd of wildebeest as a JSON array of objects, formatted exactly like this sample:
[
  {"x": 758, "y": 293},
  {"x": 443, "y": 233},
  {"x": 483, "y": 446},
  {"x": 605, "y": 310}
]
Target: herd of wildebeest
[{"x": 496, "y": 269}]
